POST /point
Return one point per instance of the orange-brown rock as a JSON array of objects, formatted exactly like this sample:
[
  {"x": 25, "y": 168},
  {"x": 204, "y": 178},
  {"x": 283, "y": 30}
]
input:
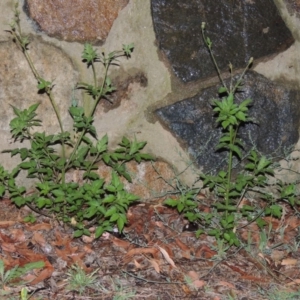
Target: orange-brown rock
[{"x": 81, "y": 21}]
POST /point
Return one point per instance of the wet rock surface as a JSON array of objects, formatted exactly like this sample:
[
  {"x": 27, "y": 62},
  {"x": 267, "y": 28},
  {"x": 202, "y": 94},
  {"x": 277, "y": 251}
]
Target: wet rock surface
[
  {"x": 274, "y": 110},
  {"x": 81, "y": 21},
  {"x": 239, "y": 30}
]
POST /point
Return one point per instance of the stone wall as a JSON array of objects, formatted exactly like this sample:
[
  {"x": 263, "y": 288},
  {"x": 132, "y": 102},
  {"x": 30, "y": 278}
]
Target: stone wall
[{"x": 163, "y": 90}]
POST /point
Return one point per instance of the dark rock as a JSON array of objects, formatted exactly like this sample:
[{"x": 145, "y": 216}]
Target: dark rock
[
  {"x": 238, "y": 29},
  {"x": 274, "y": 109},
  {"x": 85, "y": 21}
]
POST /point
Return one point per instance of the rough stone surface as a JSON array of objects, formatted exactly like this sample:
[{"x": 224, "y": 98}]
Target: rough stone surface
[
  {"x": 81, "y": 21},
  {"x": 239, "y": 30},
  {"x": 18, "y": 87},
  {"x": 293, "y": 5},
  {"x": 274, "y": 109}
]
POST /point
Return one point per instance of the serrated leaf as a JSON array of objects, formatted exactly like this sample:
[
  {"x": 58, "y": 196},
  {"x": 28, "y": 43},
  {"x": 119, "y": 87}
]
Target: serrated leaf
[
  {"x": 114, "y": 217},
  {"x": 120, "y": 223},
  {"x": 171, "y": 202},
  {"x": 222, "y": 90},
  {"x": 99, "y": 231}
]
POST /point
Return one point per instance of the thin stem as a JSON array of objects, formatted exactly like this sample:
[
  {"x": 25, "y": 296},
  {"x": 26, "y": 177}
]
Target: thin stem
[
  {"x": 89, "y": 115},
  {"x": 242, "y": 75},
  {"x": 18, "y": 38},
  {"x": 229, "y": 168},
  {"x": 209, "y": 46},
  {"x": 94, "y": 73}
]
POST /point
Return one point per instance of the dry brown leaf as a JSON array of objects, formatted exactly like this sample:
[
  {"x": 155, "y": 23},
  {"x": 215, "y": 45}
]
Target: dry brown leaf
[
  {"x": 227, "y": 284},
  {"x": 193, "y": 275},
  {"x": 293, "y": 222},
  {"x": 17, "y": 235},
  {"x": 186, "y": 289},
  {"x": 88, "y": 239},
  {"x": 198, "y": 283},
  {"x": 38, "y": 239},
  {"x": 167, "y": 257},
  {"x": 289, "y": 261},
  {"x": 155, "y": 265},
  {"x": 277, "y": 255},
  {"x": 88, "y": 249},
  {"x": 137, "y": 264},
  {"x": 135, "y": 251},
  {"x": 159, "y": 224},
  {"x": 9, "y": 247},
  {"x": 295, "y": 281},
  {"x": 5, "y": 224},
  {"x": 120, "y": 243},
  {"x": 181, "y": 245},
  {"x": 46, "y": 273},
  {"x": 186, "y": 255},
  {"x": 205, "y": 252},
  {"x": 5, "y": 238},
  {"x": 39, "y": 226}
]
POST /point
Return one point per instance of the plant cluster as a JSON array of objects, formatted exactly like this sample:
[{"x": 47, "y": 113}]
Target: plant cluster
[
  {"x": 222, "y": 220},
  {"x": 13, "y": 276},
  {"x": 94, "y": 202}
]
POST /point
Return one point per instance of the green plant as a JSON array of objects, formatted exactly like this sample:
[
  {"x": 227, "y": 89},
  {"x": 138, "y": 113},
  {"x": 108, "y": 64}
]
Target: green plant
[
  {"x": 13, "y": 276},
  {"x": 122, "y": 293},
  {"x": 94, "y": 202},
  {"x": 223, "y": 218},
  {"x": 30, "y": 218},
  {"x": 79, "y": 281},
  {"x": 283, "y": 294}
]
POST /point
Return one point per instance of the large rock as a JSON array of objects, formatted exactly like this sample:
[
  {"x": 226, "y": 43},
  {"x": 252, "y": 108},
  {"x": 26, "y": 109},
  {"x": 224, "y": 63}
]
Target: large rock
[
  {"x": 239, "y": 30},
  {"x": 81, "y": 21},
  {"x": 274, "y": 109},
  {"x": 18, "y": 87}
]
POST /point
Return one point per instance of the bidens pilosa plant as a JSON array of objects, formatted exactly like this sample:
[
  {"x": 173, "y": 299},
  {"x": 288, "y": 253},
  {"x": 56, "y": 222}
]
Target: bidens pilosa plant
[
  {"x": 222, "y": 219},
  {"x": 94, "y": 202}
]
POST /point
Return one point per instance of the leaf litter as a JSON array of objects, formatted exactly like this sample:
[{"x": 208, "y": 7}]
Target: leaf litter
[{"x": 153, "y": 259}]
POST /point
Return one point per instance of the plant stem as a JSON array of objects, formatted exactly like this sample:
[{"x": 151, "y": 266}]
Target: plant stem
[
  {"x": 18, "y": 38},
  {"x": 91, "y": 113},
  {"x": 209, "y": 46}
]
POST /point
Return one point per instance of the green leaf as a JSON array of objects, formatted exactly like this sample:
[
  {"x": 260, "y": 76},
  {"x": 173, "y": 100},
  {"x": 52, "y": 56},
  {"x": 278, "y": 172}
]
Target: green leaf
[
  {"x": 2, "y": 190},
  {"x": 99, "y": 231},
  {"x": 222, "y": 90},
  {"x": 120, "y": 223},
  {"x": 245, "y": 103},
  {"x": 102, "y": 144},
  {"x": 78, "y": 233},
  {"x": 43, "y": 84},
  {"x": 171, "y": 202},
  {"x": 27, "y": 165},
  {"x": 111, "y": 211},
  {"x": 180, "y": 207},
  {"x": 241, "y": 116},
  {"x": 128, "y": 49},
  {"x": 33, "y": 108},
  {"x": 236, "y": 150},
  {"x": 261, "y": 223},
  {"x": 114, "y": 217},
  {"x": 89, "y": 53}
]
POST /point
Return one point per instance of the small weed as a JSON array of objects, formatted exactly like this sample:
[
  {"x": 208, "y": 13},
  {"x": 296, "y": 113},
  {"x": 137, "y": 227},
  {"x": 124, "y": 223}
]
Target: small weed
[
  {"x": 121, "y": 293},
  {"x": 79, "y": 281},
  {"x": 276, "y": 294},
  {"x": 94, "y": 202},
  {"x": 223, "y": 217},
  {"x": 13, "y": 276}
]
